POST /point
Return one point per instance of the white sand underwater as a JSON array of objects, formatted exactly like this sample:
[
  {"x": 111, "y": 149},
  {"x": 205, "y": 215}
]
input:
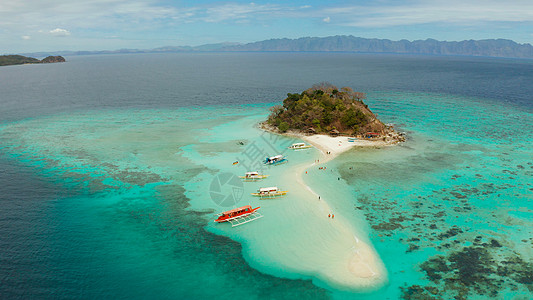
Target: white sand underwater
[{"x": 296, "y": 238}]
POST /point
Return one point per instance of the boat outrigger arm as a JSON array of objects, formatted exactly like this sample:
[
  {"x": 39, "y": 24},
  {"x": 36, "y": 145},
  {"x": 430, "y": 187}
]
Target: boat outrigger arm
[{"x": 245, "y": 219}]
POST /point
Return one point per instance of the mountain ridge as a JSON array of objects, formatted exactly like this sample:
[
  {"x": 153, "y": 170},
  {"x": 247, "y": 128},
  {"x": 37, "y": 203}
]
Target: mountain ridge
[
  {"x": 487, "y": 47},
  {"x": 342, "y": 43}
]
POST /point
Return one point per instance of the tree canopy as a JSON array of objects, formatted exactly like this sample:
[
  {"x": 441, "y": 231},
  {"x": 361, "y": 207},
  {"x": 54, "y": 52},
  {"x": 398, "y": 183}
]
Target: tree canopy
[{"x": 324, "y": 108}]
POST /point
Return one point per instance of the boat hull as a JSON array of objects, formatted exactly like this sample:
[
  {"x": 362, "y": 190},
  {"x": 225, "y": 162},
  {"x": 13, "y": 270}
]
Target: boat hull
[
  {"x": 301, "y": 148},
  {"x": 270, "y": 195},
  {"x": 277, "y": 162},
  {"x": 254, "y": 178},
  {"x": 237, "y": 216}
]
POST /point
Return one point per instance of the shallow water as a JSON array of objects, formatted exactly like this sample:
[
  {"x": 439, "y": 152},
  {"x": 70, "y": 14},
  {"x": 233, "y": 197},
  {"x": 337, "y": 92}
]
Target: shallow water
[
  {"x": 132, "y": 202},
  {"x": 455, "y": 188},
  {"x": 114, "y": 201}
]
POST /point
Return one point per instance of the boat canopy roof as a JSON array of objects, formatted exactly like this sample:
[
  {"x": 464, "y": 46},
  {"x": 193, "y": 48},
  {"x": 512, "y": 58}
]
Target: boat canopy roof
[
  {"x": 276, "y": 157},
  {"x": 237, "y": 209},
  {"x": 299, "y": 144},
  {"x": 268, "y": 189},
  {"x": 252, "y": 173}
]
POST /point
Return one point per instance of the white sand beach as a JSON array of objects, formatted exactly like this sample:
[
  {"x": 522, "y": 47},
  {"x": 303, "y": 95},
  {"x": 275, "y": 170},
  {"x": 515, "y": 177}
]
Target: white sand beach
[
  {"x": 296, "y": 238},
  {"x": 349, "y": 262},
  {"x": 337, "y": 145},
  {"x": 299, "y": 237},
  {"x": 331, "y": 146},
  {"x": 306, "y": 240}
]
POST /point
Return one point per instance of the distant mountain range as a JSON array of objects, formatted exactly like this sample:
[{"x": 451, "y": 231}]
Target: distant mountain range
[{"x": 490, "y": 47}]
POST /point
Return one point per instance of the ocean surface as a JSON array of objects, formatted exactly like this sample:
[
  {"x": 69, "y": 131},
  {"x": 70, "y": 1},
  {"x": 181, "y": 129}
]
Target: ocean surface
[{"x": 111, "y": 168}]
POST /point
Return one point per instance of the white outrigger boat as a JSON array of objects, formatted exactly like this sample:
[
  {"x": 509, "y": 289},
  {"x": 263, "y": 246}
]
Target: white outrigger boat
[
  {"x": 298, "y": 146},
  {"x": 275, "y": 160},
  {"x": 269, "y": 192},
  {"x": 253, "y": 176}
]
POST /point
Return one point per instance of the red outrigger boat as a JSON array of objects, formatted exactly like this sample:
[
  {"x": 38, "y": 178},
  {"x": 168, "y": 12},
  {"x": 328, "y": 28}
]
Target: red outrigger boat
[{"x": 239, "y": 216}]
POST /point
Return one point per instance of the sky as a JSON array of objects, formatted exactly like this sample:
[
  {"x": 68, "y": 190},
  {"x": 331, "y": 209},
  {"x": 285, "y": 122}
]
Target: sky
[{"x": 54, "y": 25}]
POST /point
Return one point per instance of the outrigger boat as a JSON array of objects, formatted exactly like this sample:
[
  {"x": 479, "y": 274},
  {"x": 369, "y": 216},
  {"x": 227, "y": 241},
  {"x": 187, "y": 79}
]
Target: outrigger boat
[
  {"x": 299, "y": 146},
  {"x": 275, "y": 160},
  {"x": 239, "y": 216},
  {"x": 252, "y": 176},
  {"x": 269, "y": 192}
]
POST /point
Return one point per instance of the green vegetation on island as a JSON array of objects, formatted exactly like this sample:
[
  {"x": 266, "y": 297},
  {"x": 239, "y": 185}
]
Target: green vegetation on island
[
  {"x": 7, "y": 60},
  {"x": 53, "y": 59},
  {"x": 326, "y": 109}
]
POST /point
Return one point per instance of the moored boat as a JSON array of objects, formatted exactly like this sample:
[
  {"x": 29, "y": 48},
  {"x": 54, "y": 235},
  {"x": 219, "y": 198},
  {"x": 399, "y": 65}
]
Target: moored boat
[
  {"x": 298, "y": 146},
  {"x": 275, "y": 160},
  {"x": 269, "y": 192},
  {"x": 252, "y": 176},
  {"x": 239, "y": 216}
]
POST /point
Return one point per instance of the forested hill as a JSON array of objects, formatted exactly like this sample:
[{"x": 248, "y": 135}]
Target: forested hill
[
  {"x": 7, "y": 60},
  {"x": 325, "y": 109}
]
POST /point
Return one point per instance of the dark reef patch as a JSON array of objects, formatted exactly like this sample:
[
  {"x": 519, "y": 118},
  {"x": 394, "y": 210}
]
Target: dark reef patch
[
  {"x": 472, "y": 270},
  {"x": 451, "y": 232},
  {"x": 470, "y": 262},
  {"x": 417, "y": 292},
  {"x": 387, "y": 226}
]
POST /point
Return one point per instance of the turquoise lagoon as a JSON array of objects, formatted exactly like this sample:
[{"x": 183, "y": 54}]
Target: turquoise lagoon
[
  {"x": 118, "y": 203},
  {"x": 143, "y": 179}
]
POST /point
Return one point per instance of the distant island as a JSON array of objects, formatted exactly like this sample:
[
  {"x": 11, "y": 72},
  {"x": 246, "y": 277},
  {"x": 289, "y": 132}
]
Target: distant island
[
  {"x": 343, "y": 43},
  {"x": 7, "y": 60},
  {"x": 326, "y": 109}
]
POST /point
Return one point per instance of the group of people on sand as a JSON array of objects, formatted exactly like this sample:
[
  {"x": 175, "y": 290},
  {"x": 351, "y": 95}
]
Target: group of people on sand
[{"x": 331, "y": 216}]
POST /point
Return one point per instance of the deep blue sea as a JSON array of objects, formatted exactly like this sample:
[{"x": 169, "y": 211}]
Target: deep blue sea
[{"x": 105, "y": 162}]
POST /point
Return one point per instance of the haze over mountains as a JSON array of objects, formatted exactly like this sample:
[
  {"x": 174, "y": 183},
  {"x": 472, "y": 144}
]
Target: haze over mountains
[{"x": 489, "y": 47}]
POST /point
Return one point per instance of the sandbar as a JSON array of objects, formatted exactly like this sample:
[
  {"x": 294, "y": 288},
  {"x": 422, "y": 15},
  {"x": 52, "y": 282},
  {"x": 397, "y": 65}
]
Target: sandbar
[{"x": 331, "y": 250}]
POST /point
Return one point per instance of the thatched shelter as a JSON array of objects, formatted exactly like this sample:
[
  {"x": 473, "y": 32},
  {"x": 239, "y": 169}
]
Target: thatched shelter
[{"x": 334, "y": 132}]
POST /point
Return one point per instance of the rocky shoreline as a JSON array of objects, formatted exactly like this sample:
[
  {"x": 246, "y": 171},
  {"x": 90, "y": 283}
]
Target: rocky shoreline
[{"x": 390, "y": 137}]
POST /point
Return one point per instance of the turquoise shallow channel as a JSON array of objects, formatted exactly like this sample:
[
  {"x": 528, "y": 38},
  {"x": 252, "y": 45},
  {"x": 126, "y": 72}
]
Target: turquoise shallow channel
[{"x": 125, "y": 205}]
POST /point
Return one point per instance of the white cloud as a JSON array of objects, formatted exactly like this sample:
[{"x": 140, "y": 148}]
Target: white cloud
[
  {"x": 149, "y": 14},
  {"x": 129, "y": 15},
  {"x": 465, "y": 12},
  {"x": 26, "y": 37},
  {"x": 234, "y": 12},
  {"x": 94, "y": 14},
  {"x": 59, "y": 32},
  {"x": 138, "y": 19}
]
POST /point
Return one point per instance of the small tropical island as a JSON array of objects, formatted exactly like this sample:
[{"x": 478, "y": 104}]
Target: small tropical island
[
  {"x": 333, "y": 121},
  {"x": 324, "y": 114},
  {"x": 8, "y": 60}
]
